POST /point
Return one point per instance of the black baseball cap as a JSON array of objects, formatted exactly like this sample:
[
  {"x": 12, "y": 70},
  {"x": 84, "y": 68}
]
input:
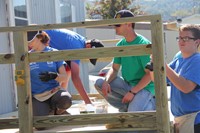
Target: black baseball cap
[
  {"x": 31, "y": 35},
  {"x": 124, "y": 14},
  {"x": 95, "y": 43}
]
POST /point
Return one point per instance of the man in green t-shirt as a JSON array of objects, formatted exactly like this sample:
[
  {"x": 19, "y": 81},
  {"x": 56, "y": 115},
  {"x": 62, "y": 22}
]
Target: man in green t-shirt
[{"x": 134, "y": 91}]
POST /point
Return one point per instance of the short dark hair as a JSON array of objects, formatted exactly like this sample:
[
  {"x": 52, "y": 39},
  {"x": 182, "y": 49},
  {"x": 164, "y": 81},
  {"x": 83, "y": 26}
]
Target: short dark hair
[{"x": 194, "y": 28}]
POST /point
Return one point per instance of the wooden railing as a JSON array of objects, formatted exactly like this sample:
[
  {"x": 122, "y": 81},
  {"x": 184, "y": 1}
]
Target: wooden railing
[{"x": 157, "y": 120}]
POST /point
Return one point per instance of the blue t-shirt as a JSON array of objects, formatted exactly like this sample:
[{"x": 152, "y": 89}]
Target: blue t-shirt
[
  {"x": 38, "y": 86},
  {"x": 178, "y": 55},
  {"x": 182, "y": 103},
  {"x": 63, "y": 39}
]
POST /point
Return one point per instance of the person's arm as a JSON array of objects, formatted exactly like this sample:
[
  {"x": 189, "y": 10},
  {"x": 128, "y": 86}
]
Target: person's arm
[
  {"x": 78, "y": 83},
  {"x": 112, "y": 74},
  {"x": 180, "y": 82},
  {"x": 62, "y": 76},
  {"x": 141, "y": 84}
]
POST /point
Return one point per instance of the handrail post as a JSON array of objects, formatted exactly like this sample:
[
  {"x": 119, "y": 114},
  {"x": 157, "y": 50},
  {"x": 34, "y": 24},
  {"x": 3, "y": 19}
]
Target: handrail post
[
  {"x": 22, "y": 78},
  {"x": 162, "y": 113}
]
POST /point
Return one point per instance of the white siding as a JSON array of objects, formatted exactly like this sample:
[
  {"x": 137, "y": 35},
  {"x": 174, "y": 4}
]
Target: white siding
[
  {"x": 7, "y": 96},
  {"x": 42, "y": 11}
]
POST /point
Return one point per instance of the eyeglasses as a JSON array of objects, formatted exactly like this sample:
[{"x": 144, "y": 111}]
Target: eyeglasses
[
  {"x": 117, "y": 25},
  {"x": 185, "y": 39}
]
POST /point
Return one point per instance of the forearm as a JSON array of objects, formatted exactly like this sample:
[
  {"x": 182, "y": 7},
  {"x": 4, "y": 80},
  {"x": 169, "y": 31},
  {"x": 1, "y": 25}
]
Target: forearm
[
  {"x": 180, "y": 82},
  {"x": 62, "y": 75},
  {"x": 142, "y": 83},
  {"x": 111, "y": 75},
  {"x": 80, "y": 88}
]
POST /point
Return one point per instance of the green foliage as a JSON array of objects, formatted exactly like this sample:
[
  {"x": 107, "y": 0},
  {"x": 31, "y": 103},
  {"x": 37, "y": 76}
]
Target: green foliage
[{"x": 106, "y": 9}]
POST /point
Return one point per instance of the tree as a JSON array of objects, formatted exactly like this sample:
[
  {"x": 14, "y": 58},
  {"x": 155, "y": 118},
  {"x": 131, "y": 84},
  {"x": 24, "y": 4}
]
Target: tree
[{"x": 106, "y": 9}]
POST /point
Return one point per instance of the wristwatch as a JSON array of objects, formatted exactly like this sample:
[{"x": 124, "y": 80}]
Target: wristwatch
[{"x": 132, "y": 92}]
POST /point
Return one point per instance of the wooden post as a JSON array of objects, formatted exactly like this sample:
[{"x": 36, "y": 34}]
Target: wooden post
[
  {"x": 22, "y": 77},
  {"x": 162, "y": 113}
]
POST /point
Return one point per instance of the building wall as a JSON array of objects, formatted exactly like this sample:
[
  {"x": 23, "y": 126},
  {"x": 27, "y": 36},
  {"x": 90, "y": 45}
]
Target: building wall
[
  {"x": 42, "y": 12},
  {"x": 7, "y": 96}
]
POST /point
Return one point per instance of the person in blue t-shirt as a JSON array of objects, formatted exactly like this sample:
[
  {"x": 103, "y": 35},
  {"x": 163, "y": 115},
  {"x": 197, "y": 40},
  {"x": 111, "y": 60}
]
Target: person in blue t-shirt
[
  {"x": 63, "y": 39},
  {"x": 47, "y": 78},
  {"x": 183, "y": 74}
]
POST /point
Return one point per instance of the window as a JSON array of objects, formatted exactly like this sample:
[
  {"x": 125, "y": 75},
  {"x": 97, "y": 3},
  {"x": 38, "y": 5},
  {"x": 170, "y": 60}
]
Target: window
[
  {"x": 65, "y": 11},
  {"x": 20, "y": 12}
]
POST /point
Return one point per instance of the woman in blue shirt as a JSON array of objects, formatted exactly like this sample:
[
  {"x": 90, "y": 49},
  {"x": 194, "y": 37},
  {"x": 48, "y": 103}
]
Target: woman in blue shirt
[{"x": 47, "y": 79}]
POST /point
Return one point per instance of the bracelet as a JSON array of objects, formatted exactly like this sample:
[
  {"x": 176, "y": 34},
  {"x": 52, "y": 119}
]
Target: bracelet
[{"x": 132, "y": 92}]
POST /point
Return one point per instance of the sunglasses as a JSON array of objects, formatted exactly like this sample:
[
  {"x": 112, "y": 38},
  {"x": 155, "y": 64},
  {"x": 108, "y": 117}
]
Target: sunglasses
[{"x": 117, "y": 25}]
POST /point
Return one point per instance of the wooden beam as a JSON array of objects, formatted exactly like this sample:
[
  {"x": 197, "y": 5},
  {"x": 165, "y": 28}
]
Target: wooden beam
[
  {"x": 136, "y": 120},
  {"x": 105, "y": 52},
  {"x": 22, "y": 77},
  {"x": 8, "y": 123},
  {"x": 79, "y": 24},
  {"x": 140, "y": 120},
  {"x": 160, "y": 77},
  {"x": 90, "y": 53}
]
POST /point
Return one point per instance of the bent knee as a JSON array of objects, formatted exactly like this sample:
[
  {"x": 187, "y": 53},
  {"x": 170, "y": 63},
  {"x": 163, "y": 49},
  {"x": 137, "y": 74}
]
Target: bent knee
[
  {"x": 65, "y": 102},
  {"x": 99, "y": 82}
]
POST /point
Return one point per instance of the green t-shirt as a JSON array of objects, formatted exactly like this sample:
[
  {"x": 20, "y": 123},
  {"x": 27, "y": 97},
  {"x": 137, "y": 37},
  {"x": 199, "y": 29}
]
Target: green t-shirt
[{"x": 133, "y": 67}]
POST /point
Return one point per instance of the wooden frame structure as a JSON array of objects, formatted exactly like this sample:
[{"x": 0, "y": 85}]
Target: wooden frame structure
[{"x": 157, "y": 120}]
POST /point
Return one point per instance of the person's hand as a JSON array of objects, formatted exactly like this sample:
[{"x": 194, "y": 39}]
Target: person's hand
[
  {"x": 106, "y": 88},
  {"x": 46, "y": 76},
  {"x": 90, "y": 108},
  {"x": 128, "y": 97},
  {"x": 149, "y": 66}
]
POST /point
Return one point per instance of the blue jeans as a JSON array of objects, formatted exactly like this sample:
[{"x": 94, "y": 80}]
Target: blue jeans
[{"x": 142, "y": 101}]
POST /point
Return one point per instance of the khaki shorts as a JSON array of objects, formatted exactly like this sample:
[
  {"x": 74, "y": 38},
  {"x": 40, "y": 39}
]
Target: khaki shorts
[{"x": 46, "y": 95}]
